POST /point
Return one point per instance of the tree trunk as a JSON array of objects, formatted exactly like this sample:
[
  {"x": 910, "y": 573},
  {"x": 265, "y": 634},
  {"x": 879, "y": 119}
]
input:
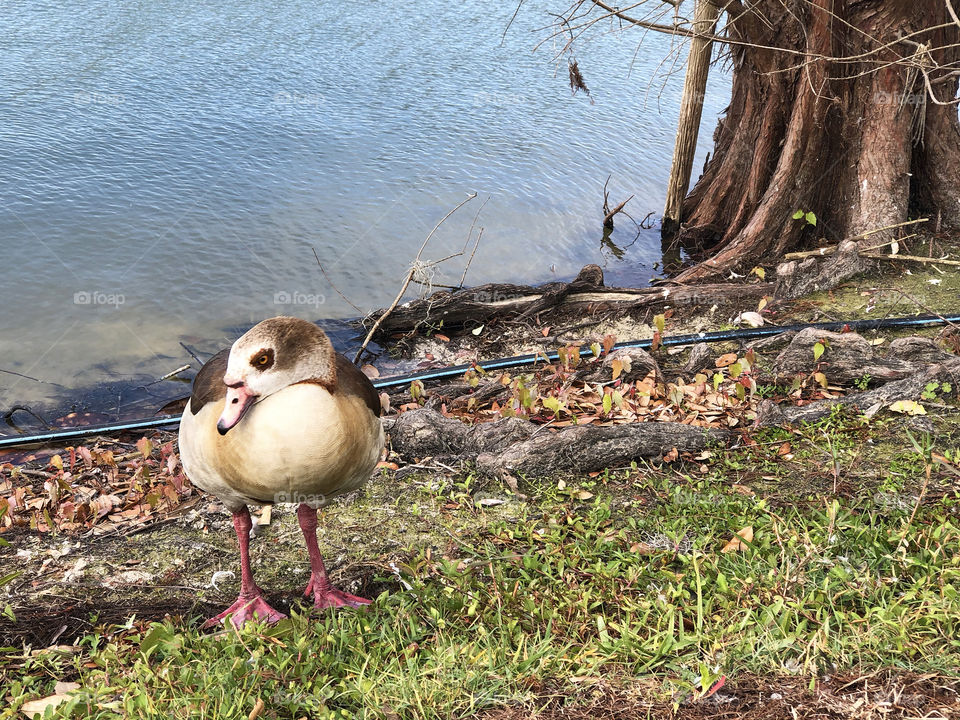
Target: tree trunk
[{"x": 857, "y": 141}]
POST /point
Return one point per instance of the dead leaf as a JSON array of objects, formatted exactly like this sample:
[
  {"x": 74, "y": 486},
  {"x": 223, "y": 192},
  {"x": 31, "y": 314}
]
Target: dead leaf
[
  {"x": 752, "y": 319},
  {"x": 35, "y": 708},
  {"x": 145, "y": 446},
  {"x": 725, "y": 360},
  {"x": 908, "y": 407},
  {"x": 490, "y": 502},
  {"x": 616, "y": 365},
  {"x": 737, "y": 544}
]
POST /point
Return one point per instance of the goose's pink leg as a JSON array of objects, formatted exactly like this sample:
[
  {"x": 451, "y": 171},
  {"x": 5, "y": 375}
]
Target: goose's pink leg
[
  {"x": 324, "y": 594},
  {"x": 250, "y": 605}
]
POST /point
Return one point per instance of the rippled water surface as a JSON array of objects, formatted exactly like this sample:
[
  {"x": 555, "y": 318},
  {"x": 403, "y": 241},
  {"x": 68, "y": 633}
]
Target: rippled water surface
[{"x": 169, "y": 168}]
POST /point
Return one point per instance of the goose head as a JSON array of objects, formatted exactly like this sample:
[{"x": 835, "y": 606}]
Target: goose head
[{"x": 271, "y": 356}]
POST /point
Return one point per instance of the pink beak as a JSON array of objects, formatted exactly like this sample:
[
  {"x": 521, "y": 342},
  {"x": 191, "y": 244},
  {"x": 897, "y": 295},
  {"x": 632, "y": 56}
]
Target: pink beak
[{"x": 239, "y": 400}]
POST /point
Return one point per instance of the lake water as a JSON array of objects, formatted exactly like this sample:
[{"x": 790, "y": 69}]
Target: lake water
[{"x": 169, "y": 169}]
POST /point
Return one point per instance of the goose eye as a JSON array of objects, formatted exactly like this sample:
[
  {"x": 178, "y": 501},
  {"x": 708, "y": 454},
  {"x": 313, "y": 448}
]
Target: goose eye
[{"x": 262, "y": 360}]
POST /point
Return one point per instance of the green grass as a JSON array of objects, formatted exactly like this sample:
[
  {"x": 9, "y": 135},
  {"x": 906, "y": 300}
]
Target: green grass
[{"x": 618, "y": 578}]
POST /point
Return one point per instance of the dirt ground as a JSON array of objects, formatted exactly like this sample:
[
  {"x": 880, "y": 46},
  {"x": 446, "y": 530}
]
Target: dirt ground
[{"x": 873, "y": 696}]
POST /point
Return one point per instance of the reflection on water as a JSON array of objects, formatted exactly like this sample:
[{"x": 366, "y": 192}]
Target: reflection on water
[{"x": 170, "y": 168}]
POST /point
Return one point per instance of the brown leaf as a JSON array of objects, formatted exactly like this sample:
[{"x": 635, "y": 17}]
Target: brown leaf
[
  {"x": 617, "y": 366},
  {"x": 737, "y": 543},
  {"x": 725, "y": 360},
  {"x": 84, "y": 452}
]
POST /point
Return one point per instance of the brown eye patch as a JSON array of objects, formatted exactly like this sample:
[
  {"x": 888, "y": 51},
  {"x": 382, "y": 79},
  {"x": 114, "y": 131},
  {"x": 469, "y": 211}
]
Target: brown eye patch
[{"x": 262, "y": 359}]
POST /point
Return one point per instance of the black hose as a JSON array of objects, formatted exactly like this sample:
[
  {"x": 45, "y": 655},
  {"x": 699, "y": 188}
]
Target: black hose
[{"x": 518, "y": 361}]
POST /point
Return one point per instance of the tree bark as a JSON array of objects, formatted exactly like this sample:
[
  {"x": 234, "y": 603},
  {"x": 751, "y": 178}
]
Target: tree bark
[{"x": 842, "y": 124}]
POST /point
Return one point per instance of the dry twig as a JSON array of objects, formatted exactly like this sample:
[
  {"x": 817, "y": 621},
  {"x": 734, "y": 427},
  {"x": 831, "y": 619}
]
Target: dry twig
[{"x": 414, "y": 266}]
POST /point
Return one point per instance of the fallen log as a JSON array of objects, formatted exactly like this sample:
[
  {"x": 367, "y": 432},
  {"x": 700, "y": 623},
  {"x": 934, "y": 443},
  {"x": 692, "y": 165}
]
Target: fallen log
[{"x": 586, "y": 294}]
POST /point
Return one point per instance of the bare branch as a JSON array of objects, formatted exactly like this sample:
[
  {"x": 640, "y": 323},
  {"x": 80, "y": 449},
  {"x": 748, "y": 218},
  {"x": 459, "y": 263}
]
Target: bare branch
[
  {"x": 953, "y": 13},
  {"x": 406, "y": 283}
]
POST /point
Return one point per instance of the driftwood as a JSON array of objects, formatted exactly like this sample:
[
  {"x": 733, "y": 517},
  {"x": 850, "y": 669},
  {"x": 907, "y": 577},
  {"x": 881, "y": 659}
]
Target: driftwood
[
  {"x": 820, "y": 252},
  {"x": 519, "y": 446},
  {"x": 912, "y": 258},
  {"x": 848, "y": 356},
  {"x": 586, "y": 294}
]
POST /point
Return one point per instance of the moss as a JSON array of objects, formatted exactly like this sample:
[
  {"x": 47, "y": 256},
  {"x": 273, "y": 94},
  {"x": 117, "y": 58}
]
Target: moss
[{"x": 896, "y": 290}]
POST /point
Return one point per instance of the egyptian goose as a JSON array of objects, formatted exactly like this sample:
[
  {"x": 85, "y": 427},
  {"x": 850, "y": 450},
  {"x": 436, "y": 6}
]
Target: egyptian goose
[{"x": 280, "y": 418}]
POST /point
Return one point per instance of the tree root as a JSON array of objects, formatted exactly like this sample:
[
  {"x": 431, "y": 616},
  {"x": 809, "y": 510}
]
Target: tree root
[{"x": 513, "y": 446}]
